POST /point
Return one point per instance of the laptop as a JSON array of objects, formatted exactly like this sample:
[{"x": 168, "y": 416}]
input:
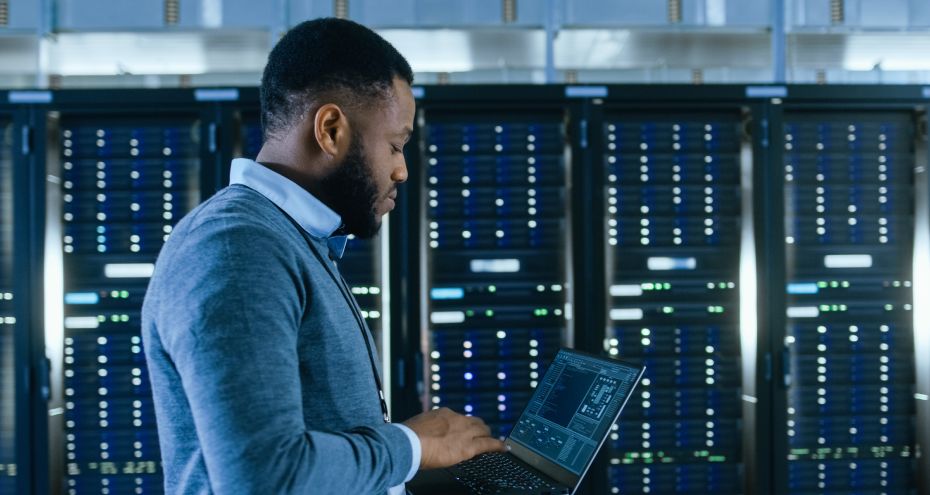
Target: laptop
[{"x": 554, "y": 442}]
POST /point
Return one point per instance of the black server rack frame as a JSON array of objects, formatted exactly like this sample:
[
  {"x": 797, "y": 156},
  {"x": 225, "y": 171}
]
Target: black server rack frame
[
  {"x": 31, "y": 378},
  {"x": 906, "y": 100},
  {"x": 9, "y": 357},
  {"x": 751, "y": 113},
  {"x": 108, "y": 105}
]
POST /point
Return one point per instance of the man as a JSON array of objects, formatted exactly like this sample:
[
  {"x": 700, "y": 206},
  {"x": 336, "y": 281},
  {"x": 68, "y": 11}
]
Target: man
[{"x": 262, "y": 368}]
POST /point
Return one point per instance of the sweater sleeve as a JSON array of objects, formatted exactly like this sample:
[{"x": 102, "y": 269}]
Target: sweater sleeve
[{"x": 230, "y": 324}]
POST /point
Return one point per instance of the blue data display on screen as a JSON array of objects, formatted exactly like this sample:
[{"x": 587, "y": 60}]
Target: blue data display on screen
[{"x": 571, "y": 410}]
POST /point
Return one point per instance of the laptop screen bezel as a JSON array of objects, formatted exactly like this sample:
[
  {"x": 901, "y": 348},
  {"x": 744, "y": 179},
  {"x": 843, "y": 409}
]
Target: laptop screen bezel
[{"x": 552, "y": 469}]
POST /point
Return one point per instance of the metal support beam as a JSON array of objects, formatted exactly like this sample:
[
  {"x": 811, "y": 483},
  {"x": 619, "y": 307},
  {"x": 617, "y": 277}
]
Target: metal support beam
[
  {"x": 778, "y": 41},
  {"x": 552, "y": 30}
]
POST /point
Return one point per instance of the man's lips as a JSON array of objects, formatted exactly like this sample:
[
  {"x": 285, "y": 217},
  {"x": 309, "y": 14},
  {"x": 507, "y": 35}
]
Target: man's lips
[{"x": 393, "y": 200}]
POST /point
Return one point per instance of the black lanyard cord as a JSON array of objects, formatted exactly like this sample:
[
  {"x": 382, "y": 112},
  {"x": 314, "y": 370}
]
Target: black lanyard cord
[{"x": 353, "y": 305}]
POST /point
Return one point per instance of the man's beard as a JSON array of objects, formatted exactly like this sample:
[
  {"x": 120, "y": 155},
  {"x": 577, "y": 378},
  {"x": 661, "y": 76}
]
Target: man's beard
[{"x": 353, "y": 193}]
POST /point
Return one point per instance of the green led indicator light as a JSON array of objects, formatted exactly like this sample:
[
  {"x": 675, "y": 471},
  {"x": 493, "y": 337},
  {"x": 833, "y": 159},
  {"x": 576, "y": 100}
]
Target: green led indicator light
[
  {"x": 492, "y": 288},
  {"x": 489, "y": 313},
  {"x": 101, "y": 318},
  {"x": 648, "y": 286},
  {"x": 822, "y": 285},
  {"x": 470, "y": 313},
  {"x": 124, "y": 318},
  {"x": 668, "y": 310},
  {"x": 124, "y": 294}
]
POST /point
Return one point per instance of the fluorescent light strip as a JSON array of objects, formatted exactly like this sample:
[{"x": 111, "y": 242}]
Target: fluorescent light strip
[
  {"x": 803, "y": 312},
  {"x": 626, "y": 314},
  {"x": 444, "y": 317},
  {"x": 129, "y": 270},
  {"x": 662, "y": 263},
  {"x": 507, "y": 265},
  {"x": 847, "y": 261},
  {"x": 631, "y": 290}
]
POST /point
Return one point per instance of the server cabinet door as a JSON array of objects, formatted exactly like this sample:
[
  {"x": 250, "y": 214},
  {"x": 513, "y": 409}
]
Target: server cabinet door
[
  {"x": 495, "y": 256},
  {"x": 849, "y": 221},
  {"x": 674, "y": 232}
]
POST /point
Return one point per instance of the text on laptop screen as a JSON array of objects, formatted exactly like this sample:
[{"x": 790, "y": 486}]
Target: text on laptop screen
[{"x": 573, "y": 407}]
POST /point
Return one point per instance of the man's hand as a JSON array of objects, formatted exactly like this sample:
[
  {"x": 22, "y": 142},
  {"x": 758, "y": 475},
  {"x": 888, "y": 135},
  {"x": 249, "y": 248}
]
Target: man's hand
[{"x": 449, "y": 438}]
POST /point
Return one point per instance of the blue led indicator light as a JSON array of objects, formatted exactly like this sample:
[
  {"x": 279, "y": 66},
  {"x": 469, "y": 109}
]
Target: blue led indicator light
[
  {"x": 803, "y": 288},
  {"x": 446, "y": 293},
  {"x": 82, "y": 298}
]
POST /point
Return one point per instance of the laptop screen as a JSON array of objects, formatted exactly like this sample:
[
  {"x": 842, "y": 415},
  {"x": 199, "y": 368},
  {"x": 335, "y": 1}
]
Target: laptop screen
[{"x": 573, "y": 407}]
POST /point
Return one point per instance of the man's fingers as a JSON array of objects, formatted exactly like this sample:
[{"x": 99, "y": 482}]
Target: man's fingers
[
  {"x": 483, "y": 429},
  {"x": 487, "y": 444}
]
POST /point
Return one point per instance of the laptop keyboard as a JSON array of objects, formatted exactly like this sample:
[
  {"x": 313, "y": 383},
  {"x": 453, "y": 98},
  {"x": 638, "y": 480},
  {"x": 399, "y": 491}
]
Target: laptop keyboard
[{"x": 498, "y": 472}]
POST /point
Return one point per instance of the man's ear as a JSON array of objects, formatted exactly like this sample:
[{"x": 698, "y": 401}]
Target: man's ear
[{"x": 331, "y": 130}]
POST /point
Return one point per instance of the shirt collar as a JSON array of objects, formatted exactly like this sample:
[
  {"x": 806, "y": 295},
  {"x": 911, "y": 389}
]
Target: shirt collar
[{"x": 310, "y": 213}]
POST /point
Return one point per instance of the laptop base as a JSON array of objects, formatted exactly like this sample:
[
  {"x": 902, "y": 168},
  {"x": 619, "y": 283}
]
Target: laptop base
[{"x": 443, "y": 482}]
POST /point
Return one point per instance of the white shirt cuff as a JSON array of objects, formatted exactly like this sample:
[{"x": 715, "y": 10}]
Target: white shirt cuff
[{"x": 415, "y": 447}]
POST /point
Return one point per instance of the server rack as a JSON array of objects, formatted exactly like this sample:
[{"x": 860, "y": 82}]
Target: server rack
[
  {"x": 494, "y": 243},
  {"x": 679, "y": 204},
  {"x": 763, "y": 219},
  {"x": 854, "y": 408},
  {"x": 126, "y": 175}
]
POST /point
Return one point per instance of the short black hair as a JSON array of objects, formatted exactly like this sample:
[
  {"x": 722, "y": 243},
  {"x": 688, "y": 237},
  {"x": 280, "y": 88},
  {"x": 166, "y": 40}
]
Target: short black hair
[{"x": 321, "y": 57}]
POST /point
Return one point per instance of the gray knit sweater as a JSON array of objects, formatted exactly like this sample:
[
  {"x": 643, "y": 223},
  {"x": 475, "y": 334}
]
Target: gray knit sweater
[{"x": 261, "y": 379}]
